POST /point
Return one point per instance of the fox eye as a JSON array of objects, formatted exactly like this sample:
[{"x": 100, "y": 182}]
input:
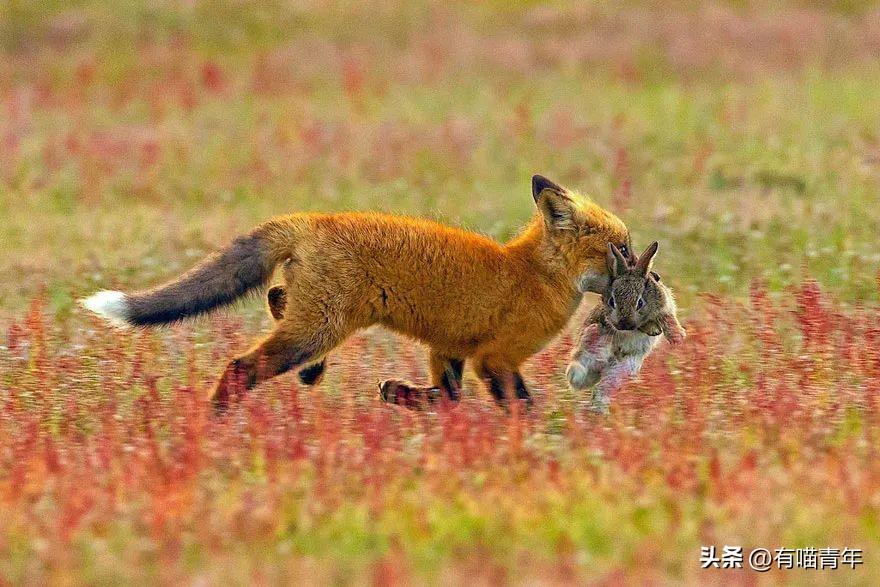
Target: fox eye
[
  {"x": 640, "y": 304},
  {"x": 624, "y": 251},
  {"x": 611, "y": 303}
]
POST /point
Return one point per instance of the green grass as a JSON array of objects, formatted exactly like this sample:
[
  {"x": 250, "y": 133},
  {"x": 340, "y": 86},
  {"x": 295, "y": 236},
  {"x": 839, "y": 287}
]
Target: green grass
[
  {"x": 741, "y": 135},
  {"x": 772, "y": 177}
]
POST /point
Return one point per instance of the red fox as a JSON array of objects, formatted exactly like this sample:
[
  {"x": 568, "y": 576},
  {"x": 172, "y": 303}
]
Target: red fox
[{"x": 463, "y": 294}]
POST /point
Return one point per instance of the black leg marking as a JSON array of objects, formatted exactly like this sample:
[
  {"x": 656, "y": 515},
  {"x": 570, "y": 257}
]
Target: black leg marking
[
  {"x": 522, "y": 392},
  {"x": 451, "y": 380},
  {"x": 277, "y": 298},
  {"x": 311, "y": 375},
  {"x": 291, "y": 361},
  {"x": 499, "y": 384}
]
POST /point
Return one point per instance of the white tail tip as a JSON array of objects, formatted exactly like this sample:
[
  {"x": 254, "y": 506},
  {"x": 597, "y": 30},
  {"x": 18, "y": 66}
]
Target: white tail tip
[{"x": 110, "y": 305}]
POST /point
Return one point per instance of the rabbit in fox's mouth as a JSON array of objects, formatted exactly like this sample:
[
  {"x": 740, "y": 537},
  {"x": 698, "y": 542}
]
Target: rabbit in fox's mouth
[{"x": 619, "y": 333}]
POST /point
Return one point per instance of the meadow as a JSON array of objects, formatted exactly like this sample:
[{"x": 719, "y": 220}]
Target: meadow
[{"x": 136, "y": 139}]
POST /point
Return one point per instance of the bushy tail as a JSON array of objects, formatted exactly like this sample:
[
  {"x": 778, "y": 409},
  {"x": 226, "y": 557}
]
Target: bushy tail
[{"x": 217, "y": 280}]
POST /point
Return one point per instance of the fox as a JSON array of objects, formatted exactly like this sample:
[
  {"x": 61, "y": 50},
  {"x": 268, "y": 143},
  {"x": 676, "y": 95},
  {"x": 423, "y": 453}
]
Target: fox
[
  {"x": 464, "y": 295},
  {"x": 624, "y": 329}
]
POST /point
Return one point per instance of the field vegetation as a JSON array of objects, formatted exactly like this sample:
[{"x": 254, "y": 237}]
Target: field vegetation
[{"x": 135, "y": 138}]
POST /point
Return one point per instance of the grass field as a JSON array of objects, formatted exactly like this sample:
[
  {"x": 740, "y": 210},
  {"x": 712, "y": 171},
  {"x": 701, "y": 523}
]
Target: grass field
[{"x": 134, "y": 139}]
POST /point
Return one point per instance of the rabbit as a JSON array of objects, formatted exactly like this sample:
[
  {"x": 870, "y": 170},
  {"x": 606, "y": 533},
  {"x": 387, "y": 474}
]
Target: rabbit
[{"x": 619, "y": 333}]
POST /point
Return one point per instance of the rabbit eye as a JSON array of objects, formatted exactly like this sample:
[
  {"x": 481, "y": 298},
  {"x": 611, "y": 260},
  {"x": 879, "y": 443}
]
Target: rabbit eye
[
  {"x": 640, "y": 304},
  {"x": 624, "y": 250},
  {"x": 611, "y": 302}
]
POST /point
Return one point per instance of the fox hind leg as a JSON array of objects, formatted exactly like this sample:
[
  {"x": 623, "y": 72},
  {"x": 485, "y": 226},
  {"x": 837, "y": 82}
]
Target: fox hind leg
[
  {"x": 312, "y": 374},
  {"x": 277, "y": 299},
  {"x": 446, "y": 374},
  {"x": 290, "y": 345}
]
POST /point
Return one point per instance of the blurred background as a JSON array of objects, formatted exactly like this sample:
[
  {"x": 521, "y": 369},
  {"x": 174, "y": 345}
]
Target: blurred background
[{"x": 137, "y": 136}]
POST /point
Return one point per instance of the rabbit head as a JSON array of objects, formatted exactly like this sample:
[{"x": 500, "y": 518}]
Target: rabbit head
[{"x": 635, "y": 299}]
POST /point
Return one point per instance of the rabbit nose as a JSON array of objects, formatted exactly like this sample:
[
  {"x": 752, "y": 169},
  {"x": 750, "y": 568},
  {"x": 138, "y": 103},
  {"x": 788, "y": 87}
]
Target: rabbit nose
[{"x": 625, "y": 324}]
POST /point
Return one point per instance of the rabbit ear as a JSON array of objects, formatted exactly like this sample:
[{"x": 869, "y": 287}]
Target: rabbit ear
[
  {"x": 643, "y": 265},
  {"x": 616, "y": 262},
  {"x": 672, "y": 330},
  {"x": 631, "y": 254}
]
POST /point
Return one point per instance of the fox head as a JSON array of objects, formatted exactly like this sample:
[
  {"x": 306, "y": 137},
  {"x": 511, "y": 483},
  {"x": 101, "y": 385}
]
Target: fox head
[{"x": 577, "y": 231}]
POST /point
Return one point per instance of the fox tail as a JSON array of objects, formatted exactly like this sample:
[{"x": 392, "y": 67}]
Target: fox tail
[{"x": 218, "y": 280}]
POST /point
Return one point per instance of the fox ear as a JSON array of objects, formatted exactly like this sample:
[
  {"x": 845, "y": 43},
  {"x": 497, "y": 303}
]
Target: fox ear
[
  {"x": 553, "y": 203},
  {"x": 541, "y": 183},
  {"x": 643, "y": 265},
  {"x": 616, "y": 262}
]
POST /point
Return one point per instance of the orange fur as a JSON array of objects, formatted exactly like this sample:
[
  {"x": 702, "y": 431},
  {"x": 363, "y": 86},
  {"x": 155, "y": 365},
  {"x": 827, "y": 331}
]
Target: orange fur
[{"x": 462, "y": 294}]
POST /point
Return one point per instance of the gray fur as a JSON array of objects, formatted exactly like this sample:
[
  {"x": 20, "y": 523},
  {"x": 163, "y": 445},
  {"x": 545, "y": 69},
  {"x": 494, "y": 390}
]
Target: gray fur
[{"x": 618, "y": 335}]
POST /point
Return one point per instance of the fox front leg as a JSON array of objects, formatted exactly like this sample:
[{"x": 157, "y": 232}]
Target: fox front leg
[{"x": 504, "y": 383}]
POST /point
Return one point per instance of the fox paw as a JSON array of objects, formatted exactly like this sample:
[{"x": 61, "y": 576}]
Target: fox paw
[{"x": 405, "y": 394}]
